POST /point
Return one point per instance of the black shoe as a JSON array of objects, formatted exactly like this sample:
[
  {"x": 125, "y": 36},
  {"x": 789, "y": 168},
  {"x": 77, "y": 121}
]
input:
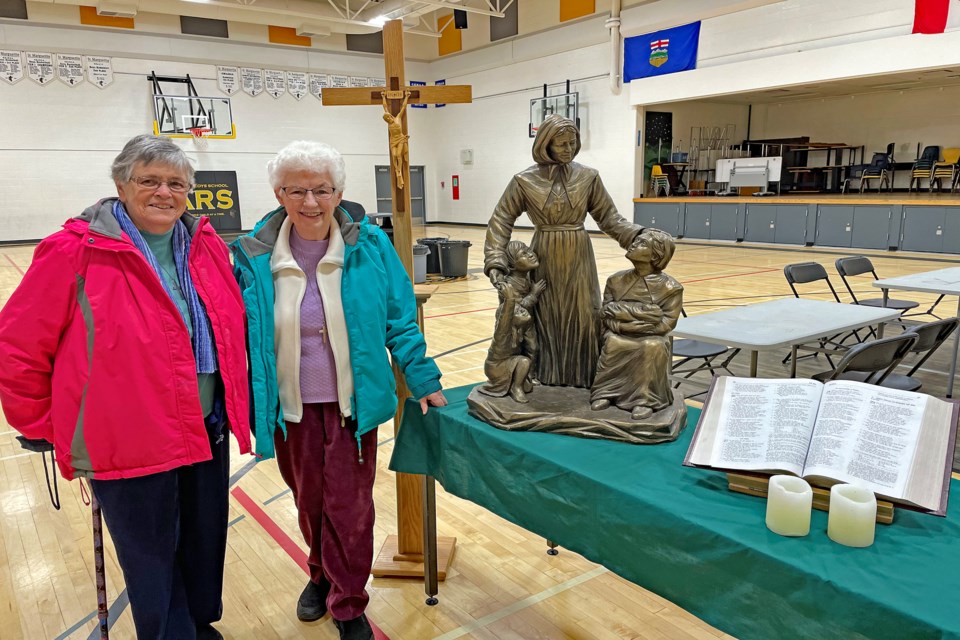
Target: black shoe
[
  {"x": 312, "y": 604},
  {"x": 207, "y": 632},
  {"x": 356, "y": 629}
]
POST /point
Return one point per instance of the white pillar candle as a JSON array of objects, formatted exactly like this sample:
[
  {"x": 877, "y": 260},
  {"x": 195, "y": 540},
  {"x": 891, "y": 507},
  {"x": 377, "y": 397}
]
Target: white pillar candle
[
  {"x": 853, "y": 515},
  {"x": 789, "y": 499}
]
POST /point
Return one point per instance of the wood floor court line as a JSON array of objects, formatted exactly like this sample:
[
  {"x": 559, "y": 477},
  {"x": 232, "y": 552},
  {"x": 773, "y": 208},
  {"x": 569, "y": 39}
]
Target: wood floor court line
[
  {"x": 15, "y": 265},
  {"x": 522, "y": 604}
]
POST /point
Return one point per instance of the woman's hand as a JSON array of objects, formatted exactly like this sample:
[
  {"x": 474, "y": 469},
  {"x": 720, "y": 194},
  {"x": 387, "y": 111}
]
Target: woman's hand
[
  {"x": 496, "y": 276},
  {"x": 435, "y": 399}
]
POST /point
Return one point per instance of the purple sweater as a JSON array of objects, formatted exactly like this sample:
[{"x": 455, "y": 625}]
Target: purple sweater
[{"x": 318, "y": 372}]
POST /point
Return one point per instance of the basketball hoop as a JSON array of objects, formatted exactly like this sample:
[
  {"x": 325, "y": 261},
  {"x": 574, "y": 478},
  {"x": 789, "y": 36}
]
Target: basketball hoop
[{"x": 200, "y": 136}]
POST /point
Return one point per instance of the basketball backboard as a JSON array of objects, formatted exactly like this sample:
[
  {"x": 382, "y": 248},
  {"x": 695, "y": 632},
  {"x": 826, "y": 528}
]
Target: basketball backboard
[
  {"x": 564, "y": 104},
  {"x": 176, "y": 116}
]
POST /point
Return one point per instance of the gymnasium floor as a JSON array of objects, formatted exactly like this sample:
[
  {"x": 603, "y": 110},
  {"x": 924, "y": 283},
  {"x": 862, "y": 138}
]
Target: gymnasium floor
[{"x": 501, "y": 584}]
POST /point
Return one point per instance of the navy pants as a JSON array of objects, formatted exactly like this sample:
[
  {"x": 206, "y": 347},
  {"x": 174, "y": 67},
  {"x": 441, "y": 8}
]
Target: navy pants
[{"x": 170, "y": 533}]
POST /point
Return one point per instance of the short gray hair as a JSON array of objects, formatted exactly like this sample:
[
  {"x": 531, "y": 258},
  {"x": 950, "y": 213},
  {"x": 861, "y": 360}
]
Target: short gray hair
[
  {"x": 147, "y": 149},
  {"x": 306, "y": 155}
]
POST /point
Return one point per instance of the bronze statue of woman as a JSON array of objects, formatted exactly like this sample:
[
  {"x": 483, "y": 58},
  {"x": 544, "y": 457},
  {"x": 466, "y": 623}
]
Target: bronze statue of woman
[
  {"x": 640, "y": 307},
  {"x": 557, "y": 194}
]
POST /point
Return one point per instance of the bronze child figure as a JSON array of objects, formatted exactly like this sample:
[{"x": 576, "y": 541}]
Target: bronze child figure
[
  {"x": 521, "y": 262},
  {"x": 506, "y": 368}
]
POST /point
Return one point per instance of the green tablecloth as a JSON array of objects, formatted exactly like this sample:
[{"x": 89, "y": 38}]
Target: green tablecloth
[{"x": 680, "y": 533}]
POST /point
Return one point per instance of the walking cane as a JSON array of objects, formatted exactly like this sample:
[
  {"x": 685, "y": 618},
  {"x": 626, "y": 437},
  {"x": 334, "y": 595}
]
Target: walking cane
[
  {"x": 43, "y": 447},
  {"x": 102, "y": 611}
]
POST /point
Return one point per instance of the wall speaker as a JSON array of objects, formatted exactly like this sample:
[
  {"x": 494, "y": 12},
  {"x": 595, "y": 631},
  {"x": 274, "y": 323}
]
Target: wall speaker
[{"x": 459, "y": 19}]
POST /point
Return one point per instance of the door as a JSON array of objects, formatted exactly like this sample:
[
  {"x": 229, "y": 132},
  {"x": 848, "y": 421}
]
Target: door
[
  {"x": 418, "y": 205},
  {"x": 791, "y": 224},
  {"x": 697, "y": 221},
  {"x": 834, "y": 226},
  {"x": 761, "y": 223},
  {"x": 923, "y": 228}
]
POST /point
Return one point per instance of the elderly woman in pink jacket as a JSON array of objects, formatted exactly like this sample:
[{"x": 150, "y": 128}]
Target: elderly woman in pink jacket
[{"x": 124, "y": 348}]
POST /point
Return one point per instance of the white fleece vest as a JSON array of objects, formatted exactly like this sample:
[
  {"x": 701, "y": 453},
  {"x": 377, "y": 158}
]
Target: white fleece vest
[{"x": 290, "y": 285}]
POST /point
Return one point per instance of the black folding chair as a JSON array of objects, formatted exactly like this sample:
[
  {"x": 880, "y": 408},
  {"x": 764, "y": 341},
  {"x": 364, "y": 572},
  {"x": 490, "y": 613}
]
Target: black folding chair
[
  {"x": 871, "y": 362},
  {"x": 858, "y": 265},
  {"x": 929, "y": 338},
  {"x": 806, "y": 273},
  {"x": 692, "y": 350}
]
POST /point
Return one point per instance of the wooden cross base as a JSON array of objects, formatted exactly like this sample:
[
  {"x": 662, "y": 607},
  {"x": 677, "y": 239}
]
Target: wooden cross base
[{"x": 391, "y": 564}]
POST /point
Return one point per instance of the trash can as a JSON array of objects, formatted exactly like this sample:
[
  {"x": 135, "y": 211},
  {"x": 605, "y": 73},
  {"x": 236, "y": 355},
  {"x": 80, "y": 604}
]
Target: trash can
[
  {"x": 420, "y": 255},
  {"x": 453, "y": 258},
  {"x": 433, "y": 260}
]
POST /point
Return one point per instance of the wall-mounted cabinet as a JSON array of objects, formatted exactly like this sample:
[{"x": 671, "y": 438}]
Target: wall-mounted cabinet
[
  {"x": 860, "y": 227},
  {"x": 935, "y": 229},
  {"x": 664, "y": 216},
  {"x": 712, "y": 221},
  {"x": 777, "y": 223}
]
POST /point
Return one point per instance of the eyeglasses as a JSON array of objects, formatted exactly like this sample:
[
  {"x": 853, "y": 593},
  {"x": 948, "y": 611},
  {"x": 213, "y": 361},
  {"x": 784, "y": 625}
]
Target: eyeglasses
[
  {"x": 152, "y": 183},
  {"x": 299, "y": 193}
]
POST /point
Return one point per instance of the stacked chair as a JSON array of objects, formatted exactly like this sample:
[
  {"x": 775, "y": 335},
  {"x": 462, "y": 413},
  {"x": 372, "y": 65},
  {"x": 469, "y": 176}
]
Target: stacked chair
[
  {"x": 658, "y": 181},
  {"x": 923, "y": 167},
  {"x": 880, "y": 170},
  {"x": 946, "y": 171}
]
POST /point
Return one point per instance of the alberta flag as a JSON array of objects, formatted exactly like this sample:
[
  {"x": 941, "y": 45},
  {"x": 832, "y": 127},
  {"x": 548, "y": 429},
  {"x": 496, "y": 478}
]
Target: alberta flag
[
  {"x": 666, "y": 51},
  {"x": 936, "y": 16}
]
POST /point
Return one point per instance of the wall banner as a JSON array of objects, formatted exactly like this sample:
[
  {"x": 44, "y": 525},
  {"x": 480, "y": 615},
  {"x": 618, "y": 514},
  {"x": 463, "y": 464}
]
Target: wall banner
[
  {"x": 11, "y": 66},
  {"x": 216, "y": 196}
]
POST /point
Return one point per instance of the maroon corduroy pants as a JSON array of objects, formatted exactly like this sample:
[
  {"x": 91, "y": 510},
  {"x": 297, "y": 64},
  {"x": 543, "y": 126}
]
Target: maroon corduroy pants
[{"x": 333, "y": 492}]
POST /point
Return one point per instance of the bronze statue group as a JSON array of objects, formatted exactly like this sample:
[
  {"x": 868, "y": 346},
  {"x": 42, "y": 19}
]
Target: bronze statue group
[{"x": 552, "y": 326}]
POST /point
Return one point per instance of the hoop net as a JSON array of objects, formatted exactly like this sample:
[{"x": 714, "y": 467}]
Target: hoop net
[{"x": 200, "y": 136}]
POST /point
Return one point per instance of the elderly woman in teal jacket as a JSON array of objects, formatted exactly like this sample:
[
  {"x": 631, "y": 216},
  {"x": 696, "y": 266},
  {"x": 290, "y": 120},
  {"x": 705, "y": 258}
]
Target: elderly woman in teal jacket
[{"x": 325, "y": 292}]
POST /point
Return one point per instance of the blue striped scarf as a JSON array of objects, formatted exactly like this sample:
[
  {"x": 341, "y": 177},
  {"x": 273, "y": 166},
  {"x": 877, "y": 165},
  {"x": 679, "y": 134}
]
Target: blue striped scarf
[{"x": 204, "y": 351}]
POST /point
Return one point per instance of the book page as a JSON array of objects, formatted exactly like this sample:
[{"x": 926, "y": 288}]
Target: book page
[
  {"x": 866, "y": 435},
  {"x": 765, "y": 424}
]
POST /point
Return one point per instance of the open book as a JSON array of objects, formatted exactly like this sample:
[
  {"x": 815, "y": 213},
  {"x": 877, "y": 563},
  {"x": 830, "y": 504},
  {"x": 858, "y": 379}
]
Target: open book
[{"x": 897, "y": 443}]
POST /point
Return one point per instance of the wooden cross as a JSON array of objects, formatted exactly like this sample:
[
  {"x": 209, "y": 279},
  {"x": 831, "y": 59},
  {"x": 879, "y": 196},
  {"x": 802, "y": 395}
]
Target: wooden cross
[{"x": 402, "y": 555}]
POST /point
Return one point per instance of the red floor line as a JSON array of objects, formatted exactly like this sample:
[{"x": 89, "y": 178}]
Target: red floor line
[
  {"x": 731, "y": 275},
  {"x": 15, "y": 265},
  {"x": 286, "y": 542},
  {"x": 272, "y": 528}
]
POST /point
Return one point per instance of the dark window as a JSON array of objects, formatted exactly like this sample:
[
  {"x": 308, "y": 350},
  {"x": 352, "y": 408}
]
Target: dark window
[
  {"x": 203, "y": 27},
  {"x": 13, "y": 9},
  {"x": 365, "y": 42},
  {"x": 505, "y": 27}
]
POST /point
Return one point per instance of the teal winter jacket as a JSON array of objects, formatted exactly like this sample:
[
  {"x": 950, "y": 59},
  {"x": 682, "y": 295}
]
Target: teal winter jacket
[{"x": 380, "y": 311}]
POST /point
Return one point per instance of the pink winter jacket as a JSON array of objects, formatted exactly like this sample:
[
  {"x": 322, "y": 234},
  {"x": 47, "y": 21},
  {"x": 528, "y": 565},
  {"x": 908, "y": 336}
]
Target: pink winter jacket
[{"x": 95, "y": 357}]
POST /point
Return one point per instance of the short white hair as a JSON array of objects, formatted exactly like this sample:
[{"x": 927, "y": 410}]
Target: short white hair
[{"x": 306, "y": 155}]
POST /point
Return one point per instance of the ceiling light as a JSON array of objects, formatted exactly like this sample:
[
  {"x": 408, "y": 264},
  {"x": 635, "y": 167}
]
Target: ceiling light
[
  {"x": 313, "y": 30},
  {"x": 378, "y": 22},
  {"x": 116, "y": 9}
]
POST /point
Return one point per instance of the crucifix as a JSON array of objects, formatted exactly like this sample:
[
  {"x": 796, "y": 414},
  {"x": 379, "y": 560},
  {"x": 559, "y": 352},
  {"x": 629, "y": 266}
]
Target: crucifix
[{"x": 402, "y": 554}]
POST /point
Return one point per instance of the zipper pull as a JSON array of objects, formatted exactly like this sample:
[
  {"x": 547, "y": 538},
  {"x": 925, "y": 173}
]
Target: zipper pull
[
  {"x": 359, "y": 450},
  {"x": 342, "y": 425}
]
